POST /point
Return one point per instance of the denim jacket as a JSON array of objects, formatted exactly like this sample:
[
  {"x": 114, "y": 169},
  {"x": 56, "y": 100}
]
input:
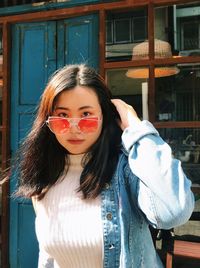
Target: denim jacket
[{"x": 149, "y": 187}]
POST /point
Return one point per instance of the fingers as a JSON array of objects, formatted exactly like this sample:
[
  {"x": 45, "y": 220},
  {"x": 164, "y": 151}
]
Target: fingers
[
  {"x": 123, "y": 108},
  {"x": 127, "y": 114}
]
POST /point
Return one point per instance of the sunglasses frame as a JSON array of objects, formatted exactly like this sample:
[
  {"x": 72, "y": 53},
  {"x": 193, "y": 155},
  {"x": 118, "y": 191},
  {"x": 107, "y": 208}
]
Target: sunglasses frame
[{"x": 75, "y": 120}]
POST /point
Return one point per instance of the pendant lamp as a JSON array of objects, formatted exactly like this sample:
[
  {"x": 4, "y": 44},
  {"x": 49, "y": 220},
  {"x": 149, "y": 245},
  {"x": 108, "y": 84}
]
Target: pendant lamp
[{"x": 141, "y": 52}]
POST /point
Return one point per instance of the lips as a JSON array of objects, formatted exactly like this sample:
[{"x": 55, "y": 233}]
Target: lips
[{"x": 75, "y": 141}]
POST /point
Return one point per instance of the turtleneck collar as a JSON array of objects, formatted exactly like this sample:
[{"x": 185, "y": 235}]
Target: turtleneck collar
[{"x": 75, "y": 159}]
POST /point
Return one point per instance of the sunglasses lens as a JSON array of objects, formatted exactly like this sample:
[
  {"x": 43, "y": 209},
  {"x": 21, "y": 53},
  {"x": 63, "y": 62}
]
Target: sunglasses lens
[
  {"x": 88, "y": 124},
  {"x": 58, "y": 125}
]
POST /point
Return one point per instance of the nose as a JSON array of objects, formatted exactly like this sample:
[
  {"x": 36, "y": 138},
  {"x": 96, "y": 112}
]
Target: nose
[{"x": 74, "y": 128}]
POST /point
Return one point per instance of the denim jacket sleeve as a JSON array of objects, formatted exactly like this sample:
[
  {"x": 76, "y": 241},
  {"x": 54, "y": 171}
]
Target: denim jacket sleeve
[{"x": 163, "y": 191}]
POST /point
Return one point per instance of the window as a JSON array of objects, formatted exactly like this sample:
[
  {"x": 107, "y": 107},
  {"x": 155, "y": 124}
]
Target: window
[
  {"x": 190, "y": 35},
  {"x": 188, "y": 29},
  {"x": 123, "y": 32},
  {"x": 162, "y": 85},
  {"x": 139, "y": 31},
  {"x": 178, "y": 96},
  {"x": 109, "y": 32},
  {"x": 170, "y": 97}
]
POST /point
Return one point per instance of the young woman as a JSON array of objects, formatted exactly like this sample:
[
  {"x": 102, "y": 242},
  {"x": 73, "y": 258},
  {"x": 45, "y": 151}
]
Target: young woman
[{"x": 98, "y": 176}]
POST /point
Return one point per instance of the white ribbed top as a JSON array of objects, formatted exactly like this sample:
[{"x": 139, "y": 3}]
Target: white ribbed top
[{"x": 68, "y": 227}]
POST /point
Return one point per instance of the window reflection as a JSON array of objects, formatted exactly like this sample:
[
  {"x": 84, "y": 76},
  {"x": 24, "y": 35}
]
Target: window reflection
[
  {"x": 185, "y": 144},
  {"x": 178, "y": 96},
  {"x": 190, "y": 35},
  {"x": 125, "y": 86},
  {"x": 123, "y": 31},
  {"x": 180, "y": 26}
]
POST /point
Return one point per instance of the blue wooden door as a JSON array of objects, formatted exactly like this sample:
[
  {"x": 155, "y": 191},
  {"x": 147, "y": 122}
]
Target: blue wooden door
[
  {"x": 33, "y": 59},
  {"x": 38, "y": 49}
]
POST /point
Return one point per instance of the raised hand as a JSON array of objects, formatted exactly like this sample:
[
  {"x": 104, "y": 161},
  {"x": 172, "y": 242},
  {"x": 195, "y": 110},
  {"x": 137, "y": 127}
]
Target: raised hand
[{"x": 126, "y": 112}]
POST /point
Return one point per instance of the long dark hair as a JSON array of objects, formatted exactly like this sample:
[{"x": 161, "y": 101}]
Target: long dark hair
[{"x": 42, "y": 159}]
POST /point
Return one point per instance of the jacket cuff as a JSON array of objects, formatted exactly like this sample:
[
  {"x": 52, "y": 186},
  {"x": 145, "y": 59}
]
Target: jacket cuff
[{"x": 135, "y": 132}]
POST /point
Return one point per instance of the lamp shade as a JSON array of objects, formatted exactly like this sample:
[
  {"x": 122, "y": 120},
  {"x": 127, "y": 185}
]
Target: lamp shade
[{"x": 141, "y": 52}]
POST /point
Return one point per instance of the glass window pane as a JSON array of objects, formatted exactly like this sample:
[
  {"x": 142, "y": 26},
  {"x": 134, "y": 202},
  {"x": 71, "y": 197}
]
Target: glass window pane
[
  {"x": 179, "y": 25},
  {"x": 190, "y": 36},
  {"x": 139, "y": 29},
  {"x": 109, "y": 32},
  {"x": 185, "y": 144},
  {"x": 128, "y": 85},
  {"x": 122, "y": 31},
  {"x": 125, "y": 30},
  {"x": 178, "y": 96}
]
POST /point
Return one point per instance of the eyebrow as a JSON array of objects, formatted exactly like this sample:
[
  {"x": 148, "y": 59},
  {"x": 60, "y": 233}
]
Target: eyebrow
[{"x": 81, "y": 108}]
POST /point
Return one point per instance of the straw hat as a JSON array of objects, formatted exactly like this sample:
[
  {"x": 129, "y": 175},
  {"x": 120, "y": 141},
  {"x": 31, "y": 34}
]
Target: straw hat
[{"x": 141, "y": 52}]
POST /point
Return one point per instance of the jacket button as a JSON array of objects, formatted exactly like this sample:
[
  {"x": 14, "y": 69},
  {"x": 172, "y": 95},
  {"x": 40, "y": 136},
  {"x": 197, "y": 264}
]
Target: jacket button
[
  {"x": 109, "y": 216},
  {"x": 107, "y": 186},
  {"x": 111, "y": 246}
]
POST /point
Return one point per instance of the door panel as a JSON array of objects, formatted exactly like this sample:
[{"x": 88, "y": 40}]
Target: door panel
[
  {"x": 78, "y": 41},
  {"x": 27, "y": 242},
  {"x": 33, "y": 59}
]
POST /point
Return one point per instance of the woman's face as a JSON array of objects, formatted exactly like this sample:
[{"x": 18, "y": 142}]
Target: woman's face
[{"x": 79, "y": 102}]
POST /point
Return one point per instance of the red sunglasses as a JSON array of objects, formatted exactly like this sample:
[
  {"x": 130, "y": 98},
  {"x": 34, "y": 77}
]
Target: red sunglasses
[{"x": 61, "y": 125}]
